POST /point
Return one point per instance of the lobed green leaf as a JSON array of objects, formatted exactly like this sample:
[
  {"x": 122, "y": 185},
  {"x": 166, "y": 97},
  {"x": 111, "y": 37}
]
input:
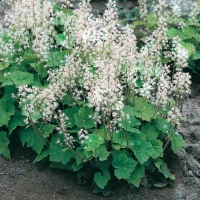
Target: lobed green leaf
[
  {"x": 162, "y": 168},
  {"x": 18, "y": 78},
  {"x": 143, "y": 150},
  {"x": 124, "y": 166},
  {"x": 33, "y": 139},
  {"x": 137, "y": 175},
  {"x": 101, "y": 179}
]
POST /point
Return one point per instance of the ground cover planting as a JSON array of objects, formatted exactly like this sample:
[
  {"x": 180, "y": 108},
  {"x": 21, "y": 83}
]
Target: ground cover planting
[{"x": 93, "y": 96}]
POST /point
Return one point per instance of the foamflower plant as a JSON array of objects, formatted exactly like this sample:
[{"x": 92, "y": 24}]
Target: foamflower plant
[{"x": 91, "y": 100}]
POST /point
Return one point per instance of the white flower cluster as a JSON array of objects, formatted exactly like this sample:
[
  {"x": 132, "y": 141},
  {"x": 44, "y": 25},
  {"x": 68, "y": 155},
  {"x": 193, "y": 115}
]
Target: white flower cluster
[
  {"x": 193, "y": 14},
  {"x": 161, "y": 7},
  {"x": 6, "y": 48},
  {"x": 176, "y": 8},
  {"x": 174, "y": 115},
  {"x": 103, "y": 67},
  {"x": 82, "y": 135},
  {"x": 143, "y": 8},
  {"x": 181, "y": 84},
  {"x": 30, "y": 23},
  {"x": 163, "y": 90},
  {"x": 180, "y": 54},
  {"x": 149, "y": 61}
]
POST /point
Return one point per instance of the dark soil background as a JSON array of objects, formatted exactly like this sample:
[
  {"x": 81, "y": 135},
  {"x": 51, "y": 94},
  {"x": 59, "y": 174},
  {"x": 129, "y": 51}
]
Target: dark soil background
[{"x": 22, "y": 180}]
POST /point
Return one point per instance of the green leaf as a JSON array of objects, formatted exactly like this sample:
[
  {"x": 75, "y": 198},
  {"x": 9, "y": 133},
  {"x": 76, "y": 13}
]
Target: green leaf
[
  {"x": 128, "y": 122},
  {"x": 197, "y": 37},
  {"x": 43, "y": 155},
  {"x": 48, "y": 129},
  {"x": 190, "y": 31},
  {"x": 79, "y": 156},
  {"x": 104, "y": 165},
  {"x": 30, "y": 58},
  {"x": 116, "y": 146},
  {"x": 176, "y": 141},
  {"x": 60, "y": 38},
  {"x": 4, "y": 65},
  {"x": 143, "y": 150},
  {"x": 136, "y": 176},
  {"x": 150, "y": 131},
  {"x": 139, "y": 83},
  {"x": 102, "y": 180},
  {"x": 157, "y": 146},
  {"x": 6, "y": 110},
  {"x": 152, "y": 20},
  {"x": 101, "y": 152},
  {"x": 103, "y": 132},
  {"x": 196, "y": 55},
  {"x": 175, "y": 20},
  {"x": 116, "y": 153},
  {"x": 163, "y": 169},
  {"x": 189, "y": 47},
  {"x": 124, "y": 139},
  {"x": 83, "y": 119},
  {"x": 143, "y": 109},
  {"x": 68, "y": 100},
  {"x": 59, "y": 153},
  {"x": 57, "y": 58},
  {"x": 124, "y": 166},
  {"x": 15, "y": 121},
  {"x": 8, "y": 91},
  {"x": 67, "y": 11},
  {"x": 138, "y": 137},
  {"x": 4, "y": 142},
  {"x": 163, "y": 125},
  {"x": 138, "y": 23},
  {"x": 76, "y": 167},
  {"x": 39, "y": 68},
  {"x": 18, "y": 78},
  {"x": 33, "y": 139},
  {"x": 93, "y": 142},
  {"x": 70, "y": 122},
  {"x": 172, "y": 32},
  {"x": 88, "y": 155}
]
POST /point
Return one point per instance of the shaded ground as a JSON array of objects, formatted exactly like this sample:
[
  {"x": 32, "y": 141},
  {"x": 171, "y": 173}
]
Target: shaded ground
[{"x": 22, "y": 180}]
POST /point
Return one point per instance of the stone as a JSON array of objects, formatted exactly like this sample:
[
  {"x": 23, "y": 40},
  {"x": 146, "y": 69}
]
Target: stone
[
  {"x": 197, "y": 150},
  {"x": 196, "y": 134},
  {"x": 194, "y": 196},
  {"x": 181, "y": 154},
  {"x": 1, "y": 9},
  {"x": 190, "y": 173},
  {"x": 197, "y": 173},
  {"x": 179, "y": 192}
]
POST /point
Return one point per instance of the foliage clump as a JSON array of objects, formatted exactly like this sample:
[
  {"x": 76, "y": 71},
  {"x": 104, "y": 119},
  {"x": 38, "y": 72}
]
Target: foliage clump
[{"x": 96, "y": 100}]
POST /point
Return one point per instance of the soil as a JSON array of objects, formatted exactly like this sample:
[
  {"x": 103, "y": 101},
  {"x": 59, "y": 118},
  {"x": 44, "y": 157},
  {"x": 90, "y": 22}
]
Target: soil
[{"x": 20, "y": 179}]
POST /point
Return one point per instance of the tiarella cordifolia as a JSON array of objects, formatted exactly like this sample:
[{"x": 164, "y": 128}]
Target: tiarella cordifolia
[
  {"x": 193, "y": 14},
  {"x": 103, "y": 67},
  {"x": 30, "y": 24},
  {"x": 143, "y": 8}
]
